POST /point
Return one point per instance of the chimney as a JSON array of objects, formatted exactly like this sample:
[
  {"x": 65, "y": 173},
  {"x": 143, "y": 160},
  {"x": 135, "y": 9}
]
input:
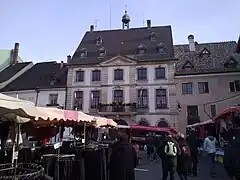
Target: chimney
[
  {"x": 69, "y": 58},
  {"x": 62, "y": 64},
  {"x": 149, "y": 23},
  {"x": 238, "y": 46},
  {"x": 15, "y": 54},
  {"x": 191, "y": 42},
  {"x": 92, "y": 28}
]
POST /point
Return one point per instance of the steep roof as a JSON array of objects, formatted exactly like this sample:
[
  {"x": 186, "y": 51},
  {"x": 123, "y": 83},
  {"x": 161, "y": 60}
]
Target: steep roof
[
  {"x": 11, "y": 70},
  {"x": 41, "y": 76},
  {"x": 125, "y": 42},
  {"x": 207, "y": 58}
]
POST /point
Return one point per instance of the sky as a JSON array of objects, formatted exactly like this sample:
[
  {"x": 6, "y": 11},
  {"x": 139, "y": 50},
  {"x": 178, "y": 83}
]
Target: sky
[{"x": 50, "y": 30}]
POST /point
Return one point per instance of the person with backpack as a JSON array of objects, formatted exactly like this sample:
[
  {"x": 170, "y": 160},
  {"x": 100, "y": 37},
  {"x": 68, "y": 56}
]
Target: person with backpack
[
  {"x": 168, "y": 151},
  {"x": 209, "y": 147},
  {"x": 182, "y": 162},
  {"x": 231, "y": 159}
]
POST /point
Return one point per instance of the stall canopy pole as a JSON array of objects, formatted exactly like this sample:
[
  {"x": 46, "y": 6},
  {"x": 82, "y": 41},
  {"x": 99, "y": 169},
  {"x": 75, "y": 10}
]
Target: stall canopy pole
[
  {"x": 74, "y": 126},
  {"x": 16, "y": 152},
  {"x": 84, "y": 134}
]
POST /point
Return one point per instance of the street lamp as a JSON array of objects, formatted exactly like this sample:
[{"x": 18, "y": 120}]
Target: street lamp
[{"x": 179, "y": 107}]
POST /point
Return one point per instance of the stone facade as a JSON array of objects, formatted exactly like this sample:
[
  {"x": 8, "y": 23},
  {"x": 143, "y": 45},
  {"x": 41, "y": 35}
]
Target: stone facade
[{"x": 129, "y": 85}]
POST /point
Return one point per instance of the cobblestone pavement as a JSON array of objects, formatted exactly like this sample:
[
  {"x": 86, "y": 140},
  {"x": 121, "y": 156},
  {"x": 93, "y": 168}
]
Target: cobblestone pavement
[{"x": 152, "y": 171}]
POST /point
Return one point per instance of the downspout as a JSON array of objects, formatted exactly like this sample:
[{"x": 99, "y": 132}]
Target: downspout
[
  {"x": 66, "y": 89},
  {"x": 37, "y": 91}
]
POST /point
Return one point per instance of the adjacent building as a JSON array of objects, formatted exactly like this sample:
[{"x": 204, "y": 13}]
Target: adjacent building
[
  {"x": 8, "y": 57},
  {"x": 44, "y": 84},
  {"x": 125, "y": 74},
  {"x": 11, "y": 66},
  {"x": 207, "y": 79}
]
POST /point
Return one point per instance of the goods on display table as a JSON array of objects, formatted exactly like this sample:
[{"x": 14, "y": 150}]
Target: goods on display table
[
  {"x": 77, "y": 161},
  {"x": 219, "y": 156}
]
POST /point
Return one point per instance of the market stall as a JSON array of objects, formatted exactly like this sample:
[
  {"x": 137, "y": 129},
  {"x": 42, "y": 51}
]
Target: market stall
[
  {"x": 15, "y": 110},
  {"x": 227, "y": 120}
]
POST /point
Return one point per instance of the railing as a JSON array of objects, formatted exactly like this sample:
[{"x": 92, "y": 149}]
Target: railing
[
  {"x": 52, "y": 105},
  {"x": 118, "y": 107},
  {"x": 193, "y": 119}
]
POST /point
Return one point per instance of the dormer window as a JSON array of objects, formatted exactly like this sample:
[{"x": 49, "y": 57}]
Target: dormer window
[
  {"x": 153, "y": 36},
  {"x": 161, "y": 48},
  {"x": 188, "y": 66},
  {"x": 205, "y": 52},
  {"x": 83, "y": 52},
  {"x": 142, "y": 49},
  {"x": 232, "y": 63},
  {"x": 99, "y": 40},
  {"x": 102, "y": 52}
]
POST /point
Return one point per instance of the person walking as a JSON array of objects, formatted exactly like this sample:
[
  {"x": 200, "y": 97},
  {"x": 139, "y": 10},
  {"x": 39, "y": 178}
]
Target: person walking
[
  {"x": 209, "y": 147},
  {"x": 123, "y": 160},
  {"x": 168, "y": 152},
  {"x": 182, "y": 162},
  {"x": 193, "y": 143},
  {"x": 231, "y": 159}
]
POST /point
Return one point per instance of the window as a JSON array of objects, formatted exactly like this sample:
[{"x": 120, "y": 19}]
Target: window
[
  {"x": 153, "y": 36},
  {"x": 142, "y": 74},
  {"x": 237, "y": 85},
  {"x": 204, "y": 52},
  {"x": 78, "y": 100},
  {"x": 187, "y": 88},
  {"x": 118, "y": 95},
  {"x": 160, "y": 73},
  {"x": 79, "y": 76},
  {"x": 96, "y": 75},
  {"x": 162, "y": 124},
  {"x": 99, "y": 40},
  {"x": 83, "y": 52},
  {"x": 142, "y": 98},
  {"x": 234, "y": 86},
  {"x": 231, "y": 86},
  {"x": 161, "y": 48},
  {"x": 143, "y": 123},
  {"x": 53, "y": 98},
  {"x": 232, "y": 63},
  {"x": 213, "y": 110},
  {"x": 102, "y": 52},
  {"x": 118, "y": 74},
  {"x": 161, "y": 98},
  {"x": 141, "y": 49},
  {"x": 95, "y": 99},
  {"x": 188, "y": 66},
  {"x": 193, "y": 117},
  {"x": 192, "y": 111},
  {"x": 203, "y": 87}
]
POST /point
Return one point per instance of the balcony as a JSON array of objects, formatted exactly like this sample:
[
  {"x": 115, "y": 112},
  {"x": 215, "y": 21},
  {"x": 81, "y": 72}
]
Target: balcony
[
  {"x": 117, "y": 109},
  {"x": 193, "y": 119},
  {"x": 52, "y": 105}
]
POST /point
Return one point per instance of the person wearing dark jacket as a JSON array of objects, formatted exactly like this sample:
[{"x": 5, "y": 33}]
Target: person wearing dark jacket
[
  {"x": 169, "y": 162},
  {"x": 182, "y": 162},
  {"x": 232, "y": 158},
  {"x": 123, "y": 160},
  {"x": 193, "y": 142}
]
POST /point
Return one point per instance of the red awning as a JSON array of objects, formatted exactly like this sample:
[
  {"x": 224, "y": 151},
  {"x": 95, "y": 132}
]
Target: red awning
[
  {"x": 227, "y": 112},
  {"x": 154, "y": 129}
]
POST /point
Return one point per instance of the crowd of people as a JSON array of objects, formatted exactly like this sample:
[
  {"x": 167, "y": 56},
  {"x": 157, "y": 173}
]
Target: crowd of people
[{"x": 179, "y": 155}]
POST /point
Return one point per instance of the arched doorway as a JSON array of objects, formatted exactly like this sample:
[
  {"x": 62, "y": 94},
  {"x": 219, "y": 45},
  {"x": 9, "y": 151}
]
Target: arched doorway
[
  {"x": 121, "y": 122},
  {"x": 162, "y": 124},
  {"x": 143, "y": 123}
]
